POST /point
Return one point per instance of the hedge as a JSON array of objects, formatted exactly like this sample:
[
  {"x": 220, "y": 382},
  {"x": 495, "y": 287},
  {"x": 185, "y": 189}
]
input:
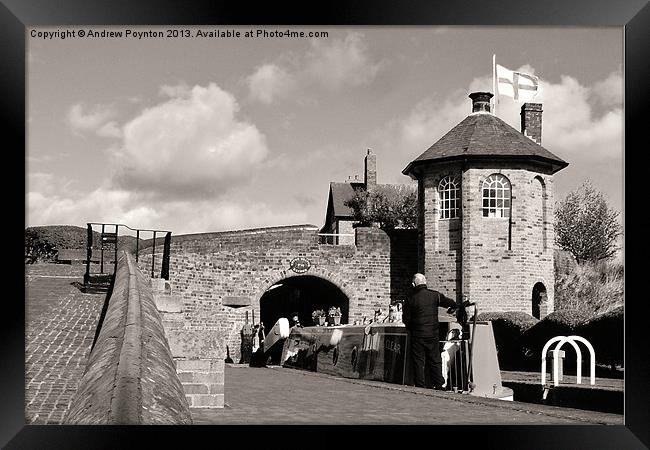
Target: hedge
[
  {"x": 559, "y": 323},
  {"x": 509, "y": 328},
  {"x": 520, "y": 337},
  {"x": 605, "y": 333}
]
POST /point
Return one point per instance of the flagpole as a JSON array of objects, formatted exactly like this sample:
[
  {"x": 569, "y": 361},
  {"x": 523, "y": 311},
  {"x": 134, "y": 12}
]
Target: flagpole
[{"x": 494, "y": 81}]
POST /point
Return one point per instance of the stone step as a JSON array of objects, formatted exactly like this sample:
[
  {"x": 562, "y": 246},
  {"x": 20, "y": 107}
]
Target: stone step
[{"x": 203, "y": 381}]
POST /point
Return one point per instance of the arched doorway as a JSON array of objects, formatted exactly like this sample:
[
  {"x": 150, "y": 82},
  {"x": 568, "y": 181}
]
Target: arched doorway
[
  {"x": 301, "y": 294},
  {"x": 539, "y": 299}
]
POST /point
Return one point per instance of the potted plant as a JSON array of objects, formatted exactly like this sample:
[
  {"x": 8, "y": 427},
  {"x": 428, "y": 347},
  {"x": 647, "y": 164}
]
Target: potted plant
[
  {"x": 334, "y": 314},
  {"x": 318, "y": 317}
]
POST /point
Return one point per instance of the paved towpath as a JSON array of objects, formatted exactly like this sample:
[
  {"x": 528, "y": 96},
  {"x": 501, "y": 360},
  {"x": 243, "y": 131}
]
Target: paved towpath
[
  {"x": 279, "y": 395},
  {"x": 60, "y": 324}
]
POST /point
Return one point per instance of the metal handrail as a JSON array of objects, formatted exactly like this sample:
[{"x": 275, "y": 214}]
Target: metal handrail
[
  {"x": 166, "y": 247},
  {"x": 126, "y": 226}
]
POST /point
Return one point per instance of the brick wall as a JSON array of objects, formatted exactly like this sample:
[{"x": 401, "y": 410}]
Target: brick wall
[
  {"x": 345, "y": 227},
  {"x": 499, "y": 278},
  {"x": 210, "y": 271},
  {"x": 502, "y": 279},
  {"x": 441, "y": 237}
]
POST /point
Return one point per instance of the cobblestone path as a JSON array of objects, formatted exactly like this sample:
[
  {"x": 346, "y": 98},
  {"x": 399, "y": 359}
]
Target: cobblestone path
[
  {"x": 288, "y": 396},
  {"x": 60, "y": 324}
]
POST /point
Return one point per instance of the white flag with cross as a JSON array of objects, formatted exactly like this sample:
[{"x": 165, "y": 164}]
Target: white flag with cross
[{"x": 518, "y": 85}]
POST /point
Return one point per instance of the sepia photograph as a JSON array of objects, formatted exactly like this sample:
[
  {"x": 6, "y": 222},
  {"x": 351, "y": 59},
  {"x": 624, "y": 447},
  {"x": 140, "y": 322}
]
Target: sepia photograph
[
  {"x": 324, "y": 225},
  {"x": 232, "y": 223}
]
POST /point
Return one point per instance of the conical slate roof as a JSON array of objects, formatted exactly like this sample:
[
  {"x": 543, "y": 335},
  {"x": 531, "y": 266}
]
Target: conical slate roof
[{"x": 485, "y": 136}]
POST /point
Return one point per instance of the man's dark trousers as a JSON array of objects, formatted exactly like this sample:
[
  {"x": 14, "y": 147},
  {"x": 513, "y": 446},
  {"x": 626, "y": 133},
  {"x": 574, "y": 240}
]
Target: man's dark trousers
[{"x": 426, "y": 355}]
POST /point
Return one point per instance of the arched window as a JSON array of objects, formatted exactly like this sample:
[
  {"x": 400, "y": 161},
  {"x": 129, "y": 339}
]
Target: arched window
[
  {"x": 449, "y": 192},
  {"x": 496, "y": 196}
]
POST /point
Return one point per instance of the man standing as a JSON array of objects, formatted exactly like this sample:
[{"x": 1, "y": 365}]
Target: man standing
[{"x": 420, "y": 315}]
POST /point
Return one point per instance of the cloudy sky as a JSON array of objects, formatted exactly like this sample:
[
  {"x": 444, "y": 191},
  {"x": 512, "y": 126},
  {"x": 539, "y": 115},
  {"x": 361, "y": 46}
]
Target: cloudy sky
[{"x": 199, "y": 134}]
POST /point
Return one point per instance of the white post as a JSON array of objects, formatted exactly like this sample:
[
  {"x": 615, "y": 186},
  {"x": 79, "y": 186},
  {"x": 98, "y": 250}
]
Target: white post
[
  {"x": 592, "y": 354},
  {"x": 578, "y": 359},
  {"x": 494, "y": 82},
  {"x": 544, "y": 351}
]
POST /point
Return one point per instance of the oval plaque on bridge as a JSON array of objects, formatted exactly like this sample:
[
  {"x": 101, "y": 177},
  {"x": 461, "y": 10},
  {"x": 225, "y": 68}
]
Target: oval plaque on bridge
[{"x": 300, "y": 265}]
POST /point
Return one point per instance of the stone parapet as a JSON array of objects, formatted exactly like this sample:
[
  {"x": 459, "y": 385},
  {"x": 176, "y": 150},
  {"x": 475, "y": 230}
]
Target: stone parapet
[{"x": 131, "y": 377}]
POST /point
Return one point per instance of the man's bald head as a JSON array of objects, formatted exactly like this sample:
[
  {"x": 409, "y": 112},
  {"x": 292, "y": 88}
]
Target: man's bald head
[{"x": 419, "y": 279}]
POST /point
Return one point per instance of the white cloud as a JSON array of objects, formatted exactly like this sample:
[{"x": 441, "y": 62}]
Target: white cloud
[
  {"x": 174, "y": 161},
  {"x": 341, "y": 62},
  {"x": 572, "y": 126},
  {"x": 39, "y": 159},
  {"x": 40, "y": 181},
  {"x": 268, "y": 82},
  {"x": 97, "y": 119},
  {"x": 610, "y": 90},
  {"x": 332, "y": 64},
  {"x": 229, "y": 215},
  {"x": 109, "y": 129},
  {"x": 177, "y": 90},
  {"x": 191, "y": 144},
  {"x": 429, "y": 119},
  {"x": 106, "y": 204},
  {"x": 47, "y": 207},
  {"x": 49, "y": 183}
]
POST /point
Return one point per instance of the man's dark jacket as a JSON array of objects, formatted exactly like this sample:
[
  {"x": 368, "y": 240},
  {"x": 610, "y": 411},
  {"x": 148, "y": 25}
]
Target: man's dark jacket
[{"x": 420, "y": 311}]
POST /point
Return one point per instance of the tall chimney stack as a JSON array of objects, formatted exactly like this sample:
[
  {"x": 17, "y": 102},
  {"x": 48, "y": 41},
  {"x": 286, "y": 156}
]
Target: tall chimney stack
[
  {"x": 531, "y": 121},
  {"x": 481, "y": 101},
  {"x": 370, "y": 173}
]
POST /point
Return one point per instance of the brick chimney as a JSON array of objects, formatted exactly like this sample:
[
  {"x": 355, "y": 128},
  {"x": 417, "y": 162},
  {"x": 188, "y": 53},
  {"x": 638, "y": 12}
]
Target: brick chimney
[
  {"x": 481, "y": 101},
  {"x": 370, "y": 173},
  {"x": 531, "y": 121}
]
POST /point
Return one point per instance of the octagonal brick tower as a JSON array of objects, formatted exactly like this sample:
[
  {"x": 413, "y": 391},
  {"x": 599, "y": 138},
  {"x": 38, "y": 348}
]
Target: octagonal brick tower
[{"x": 485, "y": 193}]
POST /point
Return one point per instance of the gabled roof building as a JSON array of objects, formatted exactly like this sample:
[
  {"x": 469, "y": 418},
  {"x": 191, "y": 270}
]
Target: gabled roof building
[{"x": 339, "y": 219}]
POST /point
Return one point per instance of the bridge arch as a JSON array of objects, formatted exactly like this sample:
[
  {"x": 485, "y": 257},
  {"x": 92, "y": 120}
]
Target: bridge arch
[
  {"x": 220, "y": 278},
  {"x": 288, "y": 292},
  {"x": 319, "y": 272}
]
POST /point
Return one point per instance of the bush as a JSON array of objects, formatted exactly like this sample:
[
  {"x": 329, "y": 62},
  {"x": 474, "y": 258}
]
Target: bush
[
  {"x": 509, "y": 328},
  {"x": 586, "y": 225},
  {"x": 37, "y": 250},
  {"x": 605, "y": 333},
  {"x": 391, "y": 206},
  {"x": 559, "y": 323},
  {"x": 592, "y": 287}
]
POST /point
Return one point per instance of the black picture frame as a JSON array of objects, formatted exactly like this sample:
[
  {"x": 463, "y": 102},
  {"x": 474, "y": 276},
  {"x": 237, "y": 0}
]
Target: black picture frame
[{"x": 632, "y": 15}]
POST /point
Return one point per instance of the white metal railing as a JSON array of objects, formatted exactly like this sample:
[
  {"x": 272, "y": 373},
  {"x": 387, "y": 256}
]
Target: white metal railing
[{"x": 561, "y": 340}]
